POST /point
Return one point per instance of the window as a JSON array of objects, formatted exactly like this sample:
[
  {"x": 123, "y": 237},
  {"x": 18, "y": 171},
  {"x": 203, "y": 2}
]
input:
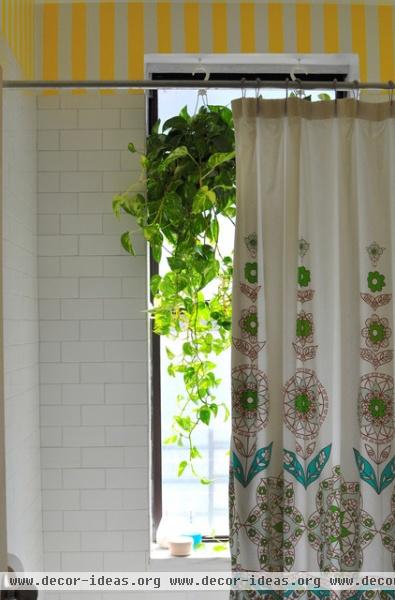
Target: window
[{"x": 185, "y": 497}]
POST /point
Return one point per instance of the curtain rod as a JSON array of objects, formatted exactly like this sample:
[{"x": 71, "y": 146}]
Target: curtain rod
[{"x": 148, "y": 84}]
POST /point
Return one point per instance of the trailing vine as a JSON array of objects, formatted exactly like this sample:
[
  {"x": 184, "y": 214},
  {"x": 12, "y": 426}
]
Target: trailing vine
[{"x": 189, "y": 176}]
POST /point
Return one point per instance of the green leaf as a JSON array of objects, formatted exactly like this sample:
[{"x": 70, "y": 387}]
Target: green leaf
[
  {"x": 173, "y": 207},
  {"x": 154, "y": 284},
  {"x": 185, "y": 115},
  {"x": 194, "y": 453},
  {"x": 176, "y": 264},
  {"x": 202, "y": 200},
  {"x": 131, "y": 147},
  {"x": 205, "y": 481},
  {"x": 178, "y": 153},
  {"x": 150, "y": 232},
  {"x": 170, "y": 440},
  {"x": 184, "y": 422},
  {"x": 181, "y": 467},
  {"x": 170, "y": 354},
  {"x": 214, "y": 408},
  {"x": 214, "y": 230},
  {"x": 155, "y": 127},
  {"x": 219, "y": 158},
  {"x": 156, "y": 251},
  {"x": 188, "y": 349},
  {"x": 175, "y": 123},
  {"x": 205, "y": 415},
  {"x": 220, "y": 547},
  {"x": 116, "y": 205},
  {"x": 126, "y": 241}
]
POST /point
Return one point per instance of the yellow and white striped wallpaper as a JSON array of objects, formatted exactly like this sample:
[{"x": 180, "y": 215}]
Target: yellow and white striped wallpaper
[
  {"x": 18, "y": 29},
  {"x": 107, "y": 39}
]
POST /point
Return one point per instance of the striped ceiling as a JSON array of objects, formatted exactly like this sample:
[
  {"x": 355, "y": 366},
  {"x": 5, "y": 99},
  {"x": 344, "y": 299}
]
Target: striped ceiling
[{"x": 108, "y": 39}]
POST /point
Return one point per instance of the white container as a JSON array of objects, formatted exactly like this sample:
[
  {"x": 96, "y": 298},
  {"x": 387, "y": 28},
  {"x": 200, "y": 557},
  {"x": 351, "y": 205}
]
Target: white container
[
  {"x": 169, "y": 527},
  {"x": 180, "y": 546}
]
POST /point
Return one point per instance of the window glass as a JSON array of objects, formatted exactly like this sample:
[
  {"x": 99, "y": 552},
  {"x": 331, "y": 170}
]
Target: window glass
[{"x": 185, "y": 498}]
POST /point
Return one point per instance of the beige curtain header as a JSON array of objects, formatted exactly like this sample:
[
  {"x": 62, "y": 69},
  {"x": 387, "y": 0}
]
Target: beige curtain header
[{"x": 325, "y": 109}]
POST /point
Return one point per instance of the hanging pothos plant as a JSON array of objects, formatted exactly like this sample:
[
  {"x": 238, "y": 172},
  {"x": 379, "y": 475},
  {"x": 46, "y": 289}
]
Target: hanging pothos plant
[{"x": 190, "y": 181}]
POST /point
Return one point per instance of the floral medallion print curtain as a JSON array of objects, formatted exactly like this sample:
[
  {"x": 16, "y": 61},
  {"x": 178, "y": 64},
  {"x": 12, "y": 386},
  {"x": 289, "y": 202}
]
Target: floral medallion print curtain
[{"x": 313, "y": 466}]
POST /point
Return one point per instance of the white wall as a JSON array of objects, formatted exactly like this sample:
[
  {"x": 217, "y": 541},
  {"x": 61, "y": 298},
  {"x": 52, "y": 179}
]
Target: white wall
[
  {"x": 23, "y": 480},
  {"x": 93, "y": 345},
  {"x": 93, "y": 337}
]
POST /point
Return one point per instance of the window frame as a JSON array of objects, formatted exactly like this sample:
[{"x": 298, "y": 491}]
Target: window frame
[{"x": 155, "y": 339}]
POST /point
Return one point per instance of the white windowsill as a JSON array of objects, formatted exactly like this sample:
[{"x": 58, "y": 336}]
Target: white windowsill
[{"x": 200, "y": 560}]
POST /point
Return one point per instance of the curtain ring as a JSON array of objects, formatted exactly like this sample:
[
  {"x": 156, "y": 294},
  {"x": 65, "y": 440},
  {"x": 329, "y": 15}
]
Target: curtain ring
[{"x": 243, "y": 88}]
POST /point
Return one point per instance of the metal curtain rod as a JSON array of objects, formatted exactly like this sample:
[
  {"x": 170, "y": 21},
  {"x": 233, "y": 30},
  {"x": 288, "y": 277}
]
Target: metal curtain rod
[{"x": 148, "y": 84}]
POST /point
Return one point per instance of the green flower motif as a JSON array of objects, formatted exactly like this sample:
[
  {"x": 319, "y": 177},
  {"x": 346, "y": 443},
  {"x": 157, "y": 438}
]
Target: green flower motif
[
  {"x": 251, "y": 243},
  {"x": 251, "y": 272},
  {"x": 250, "y": 324},
  {"x": 304, "y": 276},
  {"x": 376, "y": 281},
  {"x": 249, "y": 399},
  {"x": 304, "y": 327},
  {"x": 302, "y": 403},
  {"x": 377, "y": 407},
  {"x": 376, "y": 333}
]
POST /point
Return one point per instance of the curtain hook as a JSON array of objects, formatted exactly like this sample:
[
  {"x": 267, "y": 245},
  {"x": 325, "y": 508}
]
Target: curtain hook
[
  {"x": 391, "y": 91},
  {"x": 356, "y": 88},
  {"x": 300, "y": 91},
  {"x": 258, "y": 88},
  {"x": 286, "y": 95},
  {"x": 243, "y": 88}
]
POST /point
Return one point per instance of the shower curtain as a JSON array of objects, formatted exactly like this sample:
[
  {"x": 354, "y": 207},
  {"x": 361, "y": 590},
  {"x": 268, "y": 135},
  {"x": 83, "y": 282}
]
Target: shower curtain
[{"x": 312, "y": 458}]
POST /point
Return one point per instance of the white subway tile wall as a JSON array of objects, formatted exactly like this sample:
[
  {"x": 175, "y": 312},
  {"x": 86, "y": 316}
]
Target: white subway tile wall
[
  {"x": 93, "y": 334},
  {"x": 21, "y": 341}
]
